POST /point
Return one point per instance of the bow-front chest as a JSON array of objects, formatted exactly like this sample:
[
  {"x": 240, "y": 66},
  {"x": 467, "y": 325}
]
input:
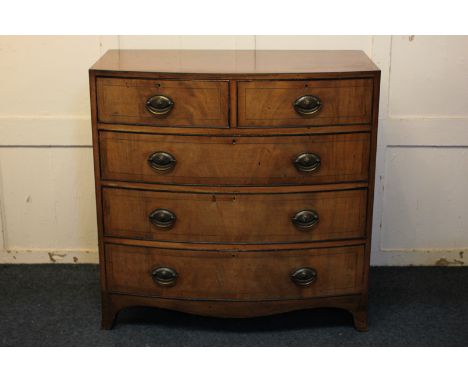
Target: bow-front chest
[{"x": 234, "y": 183}]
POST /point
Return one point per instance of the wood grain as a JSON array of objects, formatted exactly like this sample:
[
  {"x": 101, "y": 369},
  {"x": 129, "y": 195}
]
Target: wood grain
[
  {"x": 238, "y": 132},
  {"x": 196, "y": 103},
  {"x": 234, "y": 218},
  {"x": 270, "y": 103},
  {"x": 295, "y": 189},
  {"x": 115, "y": 302},
  {"x": 230, "y": 63},
  {"x": 238, "y": 276},
  {"x": 234, "y": 160},
  {"x": 97, "y": 182},
  {"x": 233, "y": 247}
]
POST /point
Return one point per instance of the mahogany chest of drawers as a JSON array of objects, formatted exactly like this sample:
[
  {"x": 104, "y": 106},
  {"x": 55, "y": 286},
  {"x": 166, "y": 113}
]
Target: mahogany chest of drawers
[{"x": 234, "y": 183}]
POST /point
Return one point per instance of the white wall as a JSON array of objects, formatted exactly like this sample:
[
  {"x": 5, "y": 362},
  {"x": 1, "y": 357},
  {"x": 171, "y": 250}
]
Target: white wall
[{"x": 46, "y": 174}]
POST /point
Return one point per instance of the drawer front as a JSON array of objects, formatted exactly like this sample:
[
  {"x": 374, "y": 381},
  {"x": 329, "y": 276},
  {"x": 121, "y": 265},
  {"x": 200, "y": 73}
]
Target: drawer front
[
  {"x": 234, "y": 275},
  {"x": 234, "y": 161},
  {"x": 234, "y": 218},
  {"x": 163, "y": 103},
  {"x": 304, "y": 103}
]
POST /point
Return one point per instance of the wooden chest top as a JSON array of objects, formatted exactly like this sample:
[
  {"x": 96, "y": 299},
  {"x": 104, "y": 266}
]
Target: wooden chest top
[{"x": 236, "y": 63}]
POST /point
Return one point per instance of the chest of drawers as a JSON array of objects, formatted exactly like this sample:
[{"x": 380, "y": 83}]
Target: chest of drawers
[{"x": 234, "y": 183}]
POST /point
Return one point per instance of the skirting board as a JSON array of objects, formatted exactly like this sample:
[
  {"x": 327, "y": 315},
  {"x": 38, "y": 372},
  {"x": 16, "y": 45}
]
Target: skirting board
[
  {"x": 421, "y": 257},
  {"x": 404, "y": 257},
  {"x": 44, "y": 256}
]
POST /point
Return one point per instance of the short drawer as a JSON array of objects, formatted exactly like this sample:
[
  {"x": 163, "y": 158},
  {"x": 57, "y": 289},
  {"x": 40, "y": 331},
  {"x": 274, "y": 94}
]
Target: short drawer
[
  {"x": 304, "y": 103},
  {"x": 234, "y": 160},
  {"x": 209, "y": 275},
  {"x": 234, "y": 218},
  {"x": 163, "y": 102}
]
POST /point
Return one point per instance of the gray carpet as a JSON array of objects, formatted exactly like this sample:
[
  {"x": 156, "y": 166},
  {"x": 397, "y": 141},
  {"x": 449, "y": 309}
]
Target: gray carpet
[{"x": 58, "y": 305}]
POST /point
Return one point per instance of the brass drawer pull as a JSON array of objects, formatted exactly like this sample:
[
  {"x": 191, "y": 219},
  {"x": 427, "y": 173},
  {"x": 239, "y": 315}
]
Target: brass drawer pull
[
  {"x": 159, "y": 105},
  {"x": 307, "y": 105},
  {"x": 305, "y": 219},
  {"x": 307, "y": 162},
  {"x": 162, "y": 218},
  {"x": 164, "y": 276},
  {"x": 162, "y": 161},
  {"x": 304, "y": 276}
]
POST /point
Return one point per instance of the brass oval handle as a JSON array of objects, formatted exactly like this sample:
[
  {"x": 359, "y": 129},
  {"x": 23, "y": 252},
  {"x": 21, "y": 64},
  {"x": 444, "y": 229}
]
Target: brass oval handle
[
  {"x": 159, "y": 105},
  {"x": 162, "y": 218},
  {"x": 307, "y": 105},
  {"x": 307, "y": 162},
  {"x": 162, "y": 161},
  {"x": 164, "y": 276},
  {"x": 304, "y": 276},
  {"x": 305, "y": 219}
]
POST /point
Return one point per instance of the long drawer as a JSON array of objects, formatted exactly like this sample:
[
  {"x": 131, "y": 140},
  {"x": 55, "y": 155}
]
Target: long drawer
[
  {"x": 234, "y": 218},
  {"x": 234, "y": 275},
  {"x": 163, "y": 102},
  {"x": 304, "y": 103},
  {"x": 308, "y": 159}
]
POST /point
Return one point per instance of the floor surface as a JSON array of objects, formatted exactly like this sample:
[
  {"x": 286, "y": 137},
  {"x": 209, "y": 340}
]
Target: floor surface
[{"x": 58, "y": 305}]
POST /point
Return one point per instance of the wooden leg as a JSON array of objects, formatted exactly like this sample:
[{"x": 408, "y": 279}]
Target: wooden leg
[
  {"x": 108, "y": 313},
  {"x": 360, "y": 320},
  {"x": 107, "y": 323}
]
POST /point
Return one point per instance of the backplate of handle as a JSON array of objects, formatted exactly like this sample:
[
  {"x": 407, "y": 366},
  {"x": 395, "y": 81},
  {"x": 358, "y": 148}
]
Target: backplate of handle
[
  {"x": 307, "y": 105},
  {"x": 304, "y": 276},
  {"x": 307, "y": 162},
  {"x": 305, "y": 219},
  {"x": 159, "y": 104},
  {"x": 162, "y": 161},
  {"x": 164, "y": 276},
  {"x": 162, "y": 218}
]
